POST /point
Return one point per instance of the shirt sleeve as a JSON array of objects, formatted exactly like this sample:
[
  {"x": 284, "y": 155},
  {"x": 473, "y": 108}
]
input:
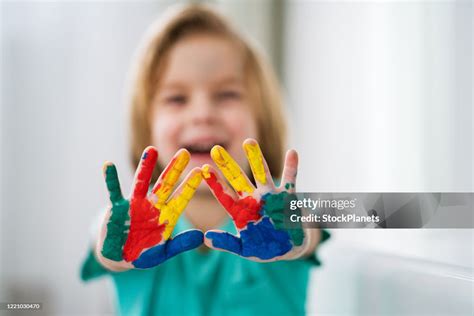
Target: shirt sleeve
[
  {"x": 313, "y": 258},
  {"x": 91, "y": 268}
]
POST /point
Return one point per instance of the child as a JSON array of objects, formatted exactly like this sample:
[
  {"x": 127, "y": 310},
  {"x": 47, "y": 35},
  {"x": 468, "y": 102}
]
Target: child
[{"x": 200, "y": 92}]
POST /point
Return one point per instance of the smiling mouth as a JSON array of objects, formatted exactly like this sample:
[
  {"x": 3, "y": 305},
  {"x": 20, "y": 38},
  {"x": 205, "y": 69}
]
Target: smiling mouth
[{"x": 201, "y": 149}]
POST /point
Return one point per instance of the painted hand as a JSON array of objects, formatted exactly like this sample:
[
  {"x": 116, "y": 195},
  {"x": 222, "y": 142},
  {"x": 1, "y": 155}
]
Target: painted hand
[
  {"x": 136, "y": 233},
  {"x": 257, "y": 212}
]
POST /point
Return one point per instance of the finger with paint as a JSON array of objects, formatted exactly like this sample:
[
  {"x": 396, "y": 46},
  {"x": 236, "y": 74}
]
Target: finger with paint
[
  {"x": 137, "y": 233},
  {"x": 117, "y": 217},
  {"x": 258, "y": 165},
  {"x": 231, "y": 171},
  {"x": 258, "y": 213},
  {"x": 290, "y": 171}
]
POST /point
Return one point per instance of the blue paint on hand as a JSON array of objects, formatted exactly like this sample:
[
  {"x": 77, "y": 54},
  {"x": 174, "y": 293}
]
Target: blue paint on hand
[
  {"x": 182, "y": 242},
  {"x": 259, "y": 240},
  {"x": 226, "y": 241}
]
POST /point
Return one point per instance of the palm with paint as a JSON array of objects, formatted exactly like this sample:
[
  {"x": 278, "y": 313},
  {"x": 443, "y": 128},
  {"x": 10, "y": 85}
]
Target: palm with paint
[
  {"x": 136, "y": 233},
  {"x": 257, "y": 212}
]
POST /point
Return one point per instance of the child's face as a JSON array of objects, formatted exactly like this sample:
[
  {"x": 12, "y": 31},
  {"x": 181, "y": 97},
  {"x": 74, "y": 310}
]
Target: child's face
[{"x": 202, "y": 101}]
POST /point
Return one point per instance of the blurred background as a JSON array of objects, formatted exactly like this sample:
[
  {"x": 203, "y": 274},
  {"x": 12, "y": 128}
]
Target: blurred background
[{"x": 381, "y": 92}]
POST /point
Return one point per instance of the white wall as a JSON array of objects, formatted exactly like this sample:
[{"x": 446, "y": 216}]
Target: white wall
[{"x": 385, "y": 91}]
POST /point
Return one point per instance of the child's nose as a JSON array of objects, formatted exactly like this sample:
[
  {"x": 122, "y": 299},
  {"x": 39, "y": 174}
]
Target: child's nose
[{"x": 202, "y": 110}]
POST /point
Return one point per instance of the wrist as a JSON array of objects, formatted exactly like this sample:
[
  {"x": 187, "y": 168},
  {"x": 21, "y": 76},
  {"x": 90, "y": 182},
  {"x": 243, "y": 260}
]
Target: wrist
[{"x": 314, "y": 236}]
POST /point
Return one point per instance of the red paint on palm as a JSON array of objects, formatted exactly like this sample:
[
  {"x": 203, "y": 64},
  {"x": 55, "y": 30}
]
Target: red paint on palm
[
  {"x": 245, "y": 210},
  {"x": 145, "y": 232},
  {"x": 242, "y": 211}
]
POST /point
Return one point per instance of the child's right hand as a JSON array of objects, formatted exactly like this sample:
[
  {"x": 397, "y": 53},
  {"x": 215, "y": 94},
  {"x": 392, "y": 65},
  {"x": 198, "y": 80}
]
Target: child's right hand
[{"x": 136, "y": 233}]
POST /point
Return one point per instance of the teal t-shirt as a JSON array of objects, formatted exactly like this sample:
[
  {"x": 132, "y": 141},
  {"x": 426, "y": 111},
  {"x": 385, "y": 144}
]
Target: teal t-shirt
[{"x": 210, "y": 283}]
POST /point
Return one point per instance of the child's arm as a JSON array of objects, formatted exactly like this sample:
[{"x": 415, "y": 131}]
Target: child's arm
[
  {"x": 258, "y": 212},
  {"x": 136, "y": 232}
]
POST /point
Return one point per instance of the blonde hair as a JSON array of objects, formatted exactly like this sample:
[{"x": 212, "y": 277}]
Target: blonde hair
[{"x": 261, "y": 81}]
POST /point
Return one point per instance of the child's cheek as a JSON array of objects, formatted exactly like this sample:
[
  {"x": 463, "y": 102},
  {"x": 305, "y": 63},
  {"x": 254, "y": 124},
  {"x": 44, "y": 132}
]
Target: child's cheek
[{"x": 241, "y": 118}]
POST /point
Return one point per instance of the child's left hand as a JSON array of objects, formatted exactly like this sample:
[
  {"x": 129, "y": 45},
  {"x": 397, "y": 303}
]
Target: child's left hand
[{"x": 257, "y": 212}]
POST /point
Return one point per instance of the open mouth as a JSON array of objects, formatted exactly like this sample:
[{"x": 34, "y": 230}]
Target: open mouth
[{"x": 201, "y": 149}]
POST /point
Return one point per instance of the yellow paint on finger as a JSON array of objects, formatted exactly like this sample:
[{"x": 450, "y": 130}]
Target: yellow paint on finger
[
  {"x": 255, "y": 157},
  {"x": 231, "y": 170},
  {"x": 206, "y": 172},
  {"x": 170, "y": 178},
  {"x": 171, "y": 211}
]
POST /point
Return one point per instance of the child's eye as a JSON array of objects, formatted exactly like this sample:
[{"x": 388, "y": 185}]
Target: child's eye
[
  {"x": 228, "y": 95},
  {"x": 176, "y": 100}
]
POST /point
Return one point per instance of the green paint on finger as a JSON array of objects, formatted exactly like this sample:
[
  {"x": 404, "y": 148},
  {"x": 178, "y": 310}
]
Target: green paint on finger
[
  {"x": 289, "y": 185},
  {"x": 117, "y": 226},
  {"x": 113, "y": 184},
  {"x": 116, "y": 231},
  {"x": 274, "y": 207}
]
